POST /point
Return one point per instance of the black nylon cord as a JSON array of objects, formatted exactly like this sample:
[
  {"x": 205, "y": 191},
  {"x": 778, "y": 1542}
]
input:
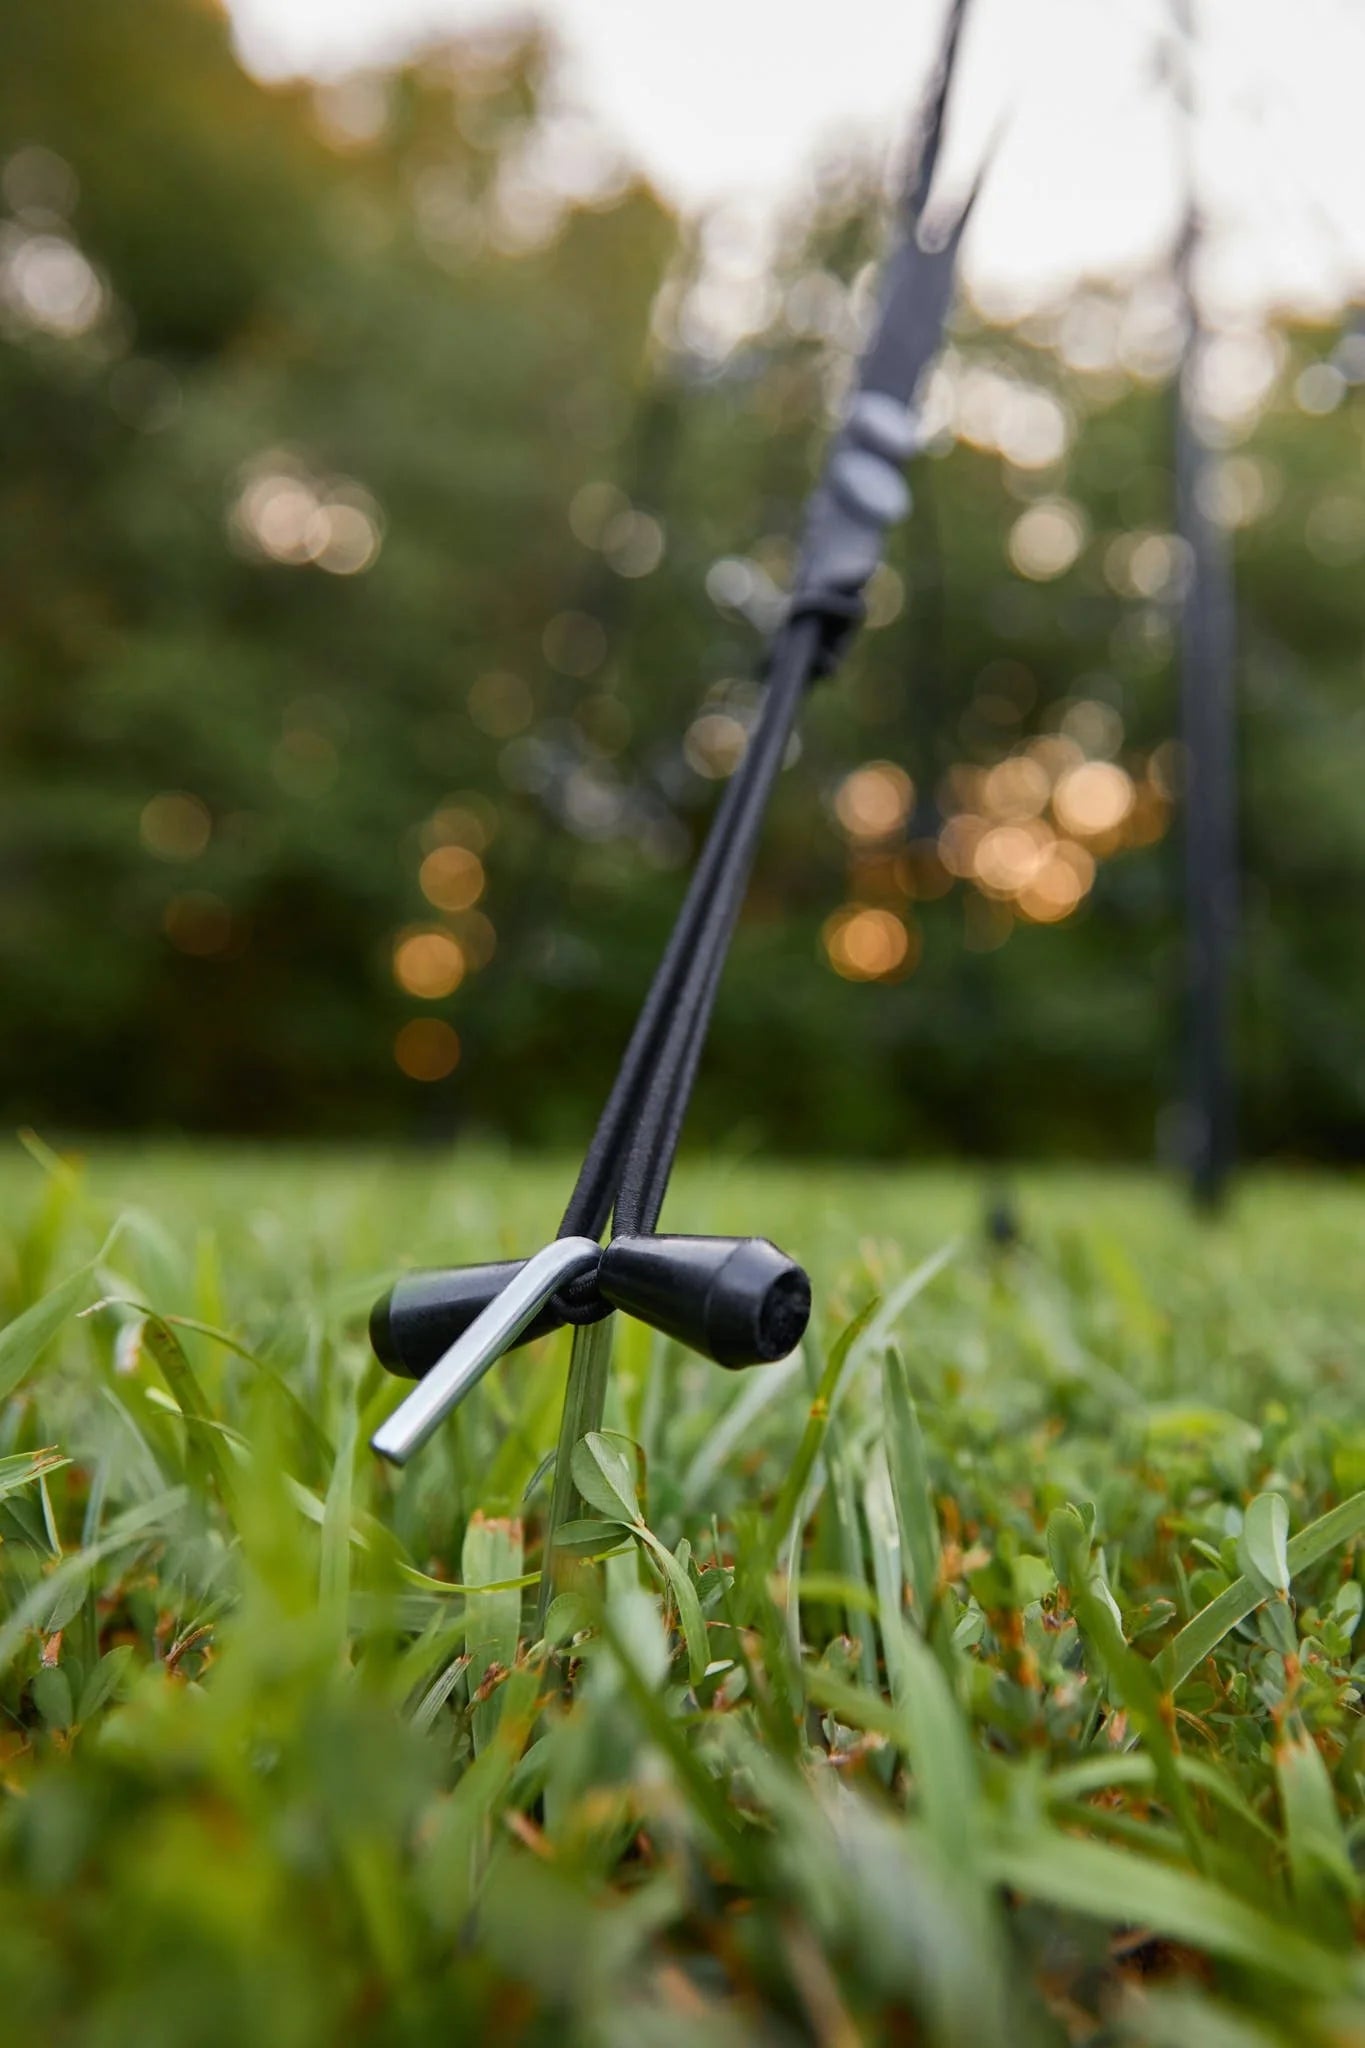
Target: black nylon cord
[
  {"x": 649, "y": 1158},
  {"x": 637, "y": 1133},
  {"x": 626, "y": 1170},
  {"x": 684, "y": 958}
]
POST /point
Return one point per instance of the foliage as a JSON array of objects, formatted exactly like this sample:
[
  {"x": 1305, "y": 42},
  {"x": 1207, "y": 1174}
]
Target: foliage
[
  {"x": 984, "y": 1674},
  {"x": 411, "y": 325}
]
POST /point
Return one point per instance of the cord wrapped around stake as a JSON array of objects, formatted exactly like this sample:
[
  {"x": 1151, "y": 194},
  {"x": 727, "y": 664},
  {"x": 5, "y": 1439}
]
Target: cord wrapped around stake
[{"x": 737, "y": 1300}]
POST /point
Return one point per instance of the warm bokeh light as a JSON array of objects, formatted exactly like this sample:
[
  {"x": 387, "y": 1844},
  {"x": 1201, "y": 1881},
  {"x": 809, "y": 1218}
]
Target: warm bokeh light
[
  {"x": 198, "y": 923},
  {"x": 592, "y": 509},
  {"x": 468, "y": 819},
  {"x": 476, "y": 938},
  {"x": 884, "y": 597},
  {"x": 175, "y": 825},
  {"x": 874, "y": 801},
  {"x": 1045, "y": 540},
  {"x": 1093, "y": 799},
  {"x": 1059, "y": 885},
  {"x": 1016, "y": 788},
  {"x": 291, "y": 517},
  {"x": 343, "y": 538},
  {"x": 428, "y": 962},
  {"x": 1334, "y": 530},
  {"x": 714, "y": 744},
  {"x": 958, "y": 841},
  {"x": 1147, "y": 564},
  {"x": 1096, "y": 728},
  {"x": 427, "y": 1049},
  {"x": 1008, "y": 857},
  {"x": 1239, "y": 490},
  {"x": 1055, "y": 753},
  {"x": 452, "y": 877},
  {"x": 1150, "y": 816},
  {"x": 632, "y": 544},
  {"x": 868, "y": 944}
]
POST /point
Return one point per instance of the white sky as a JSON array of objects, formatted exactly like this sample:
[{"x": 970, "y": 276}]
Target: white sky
[{"x": 727, "y": 102}]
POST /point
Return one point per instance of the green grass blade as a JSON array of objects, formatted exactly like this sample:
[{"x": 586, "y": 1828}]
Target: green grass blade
[
  {"x": 1124, "y": 1890},
  {"x": 794, "y": 1485},
  {"x": 585, "y": 1398},
  {"x": 1201, "y": 1636},
  {"x": 909, "y": 1469},
  {"x": 492, "y": 1555},
  {"x": 23, "y": 1469},
  {"x": 23, "y": 1341}
]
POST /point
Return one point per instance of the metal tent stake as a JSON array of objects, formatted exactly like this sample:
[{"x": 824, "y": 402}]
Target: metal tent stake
[{"x": 483, "y": 1343}]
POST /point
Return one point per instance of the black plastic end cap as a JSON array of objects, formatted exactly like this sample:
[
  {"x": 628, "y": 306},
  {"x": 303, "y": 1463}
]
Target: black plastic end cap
[
  {"x": 737, "y": 1300},
  {"x": 423, "y": 1313},
  {"x": 381, "y": 1332}
]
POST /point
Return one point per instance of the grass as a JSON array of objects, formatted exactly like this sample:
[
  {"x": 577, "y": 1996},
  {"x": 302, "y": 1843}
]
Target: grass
[{"x": 984, "y": 1675}]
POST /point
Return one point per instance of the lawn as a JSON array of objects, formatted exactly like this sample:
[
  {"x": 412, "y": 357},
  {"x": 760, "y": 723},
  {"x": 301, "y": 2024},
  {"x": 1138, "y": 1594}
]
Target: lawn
[{"x": 985, "y": 1674}]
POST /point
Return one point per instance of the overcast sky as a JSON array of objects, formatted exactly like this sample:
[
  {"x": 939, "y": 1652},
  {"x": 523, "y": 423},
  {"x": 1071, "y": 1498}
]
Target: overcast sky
[{"x": 727, "y": 102}]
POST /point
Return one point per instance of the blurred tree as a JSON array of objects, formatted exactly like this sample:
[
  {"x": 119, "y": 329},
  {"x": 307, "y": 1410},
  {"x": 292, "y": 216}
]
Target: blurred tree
[{"x": 387, "y": 534}]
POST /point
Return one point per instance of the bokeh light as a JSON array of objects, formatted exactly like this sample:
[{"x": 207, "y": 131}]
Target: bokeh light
[
  {"x": 175, "y": 825},
  {"x": 1096, "y": 728},
  {"x": 1335, "y": 529},
  {"x": 1147, "y": 564},
  {"x": 1093, "y": 799},
  {"x": 875, "y": 801},
  {"x": 452, "y": 877},
  {"x": 49, "y": 284},
  {"x": 592, "y": 509},
  {"x": 1017, "y": 787},
  {"x": 343, "y": 537},
  {"x": 1059, "y": 884},
  {"x": 884, "y": 598},
  {"x": 427, "y": 1049},
  {"x": 632, "y": 544},
  {"x": 958, "y": 841},
  {"x": 468, "y": 819},
  {"x": 476, "y": 938},
  {"x": 288, "y": 516},
  {"x": 714, "y": 744},
  {"x": 1007, "y": 857},
  {"x": 428, "y": 962},
  {"x": 1045, "y": 540},
  {"x": 866, "y": 943}
]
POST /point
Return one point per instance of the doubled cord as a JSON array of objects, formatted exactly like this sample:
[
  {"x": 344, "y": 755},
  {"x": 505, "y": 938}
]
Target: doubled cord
[
  {"x": 739, "y": 1301},
  {"x": 648, "y": 1160},
  {"x": 862, "y": 491},
  {"x": 628, "y": 1162}
]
